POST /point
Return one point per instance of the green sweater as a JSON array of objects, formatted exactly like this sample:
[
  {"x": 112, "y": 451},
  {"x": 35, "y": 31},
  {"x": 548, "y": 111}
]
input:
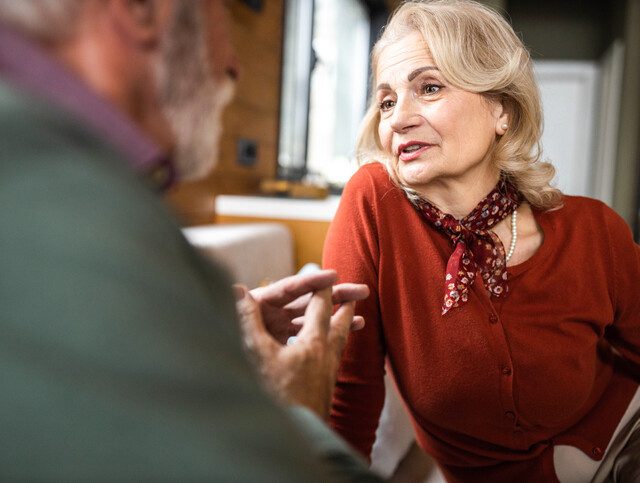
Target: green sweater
[{"x": 120, "y": 355}]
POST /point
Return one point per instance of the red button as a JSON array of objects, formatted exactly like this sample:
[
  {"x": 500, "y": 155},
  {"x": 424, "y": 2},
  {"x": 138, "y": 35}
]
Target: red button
[
  {"x": 596, "y": 451},
  {"x": 493, "y": 319},
  {"x": 510, "y": 415},
  {"x": 506, "y": 370}
]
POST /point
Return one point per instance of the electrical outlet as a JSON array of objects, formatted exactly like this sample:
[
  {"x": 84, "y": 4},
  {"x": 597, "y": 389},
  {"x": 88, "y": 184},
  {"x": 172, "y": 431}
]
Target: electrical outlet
[
  {"x": 247, "y": 152},
  {"x": 255, "y": 5}
]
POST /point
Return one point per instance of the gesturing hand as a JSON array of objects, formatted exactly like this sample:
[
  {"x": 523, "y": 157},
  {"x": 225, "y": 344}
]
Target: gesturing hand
[
  {"x": 305, "y": 372},
  {"x": 283, "y": 303}
]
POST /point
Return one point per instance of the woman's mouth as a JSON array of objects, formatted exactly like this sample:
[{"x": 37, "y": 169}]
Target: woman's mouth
[{"x": 412, "y": 150}]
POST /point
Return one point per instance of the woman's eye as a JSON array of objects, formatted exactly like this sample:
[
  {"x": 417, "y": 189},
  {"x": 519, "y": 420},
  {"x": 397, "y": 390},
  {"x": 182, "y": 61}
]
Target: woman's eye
[
  {"x": 430, "y": 88},
  {"x": 386, "y": 105}
]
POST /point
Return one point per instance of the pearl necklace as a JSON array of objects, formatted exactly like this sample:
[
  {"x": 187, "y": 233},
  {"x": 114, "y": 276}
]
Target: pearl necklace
[{"x": 514, "y": 235}]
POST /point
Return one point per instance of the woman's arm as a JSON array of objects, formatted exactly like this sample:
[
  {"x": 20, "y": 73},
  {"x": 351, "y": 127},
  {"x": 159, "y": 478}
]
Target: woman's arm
[
  {"x": 351, "y": 248},
  {"x": 624, "y": 334}
]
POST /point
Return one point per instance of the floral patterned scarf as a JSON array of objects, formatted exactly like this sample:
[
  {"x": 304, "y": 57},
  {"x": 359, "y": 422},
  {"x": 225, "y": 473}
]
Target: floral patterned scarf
[{"x": 477, "y": 249}]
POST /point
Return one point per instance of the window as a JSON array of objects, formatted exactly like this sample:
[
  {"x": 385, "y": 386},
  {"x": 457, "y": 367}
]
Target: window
[{"x": 324, "y": 91}]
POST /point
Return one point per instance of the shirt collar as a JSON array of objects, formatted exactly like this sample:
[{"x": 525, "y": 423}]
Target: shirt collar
[{"x": 29, "y": 68}]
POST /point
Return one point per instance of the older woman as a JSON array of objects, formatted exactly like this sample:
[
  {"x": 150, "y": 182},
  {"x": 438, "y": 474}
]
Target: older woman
[{"x": 508, "y": 312}]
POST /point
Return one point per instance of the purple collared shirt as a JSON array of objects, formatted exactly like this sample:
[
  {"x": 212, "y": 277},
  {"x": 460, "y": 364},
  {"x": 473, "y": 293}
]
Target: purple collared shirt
[{"x": 29, "y": 68}]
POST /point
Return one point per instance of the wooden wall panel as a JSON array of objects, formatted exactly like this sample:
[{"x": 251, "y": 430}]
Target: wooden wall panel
[{"x": 252, "y": 115}]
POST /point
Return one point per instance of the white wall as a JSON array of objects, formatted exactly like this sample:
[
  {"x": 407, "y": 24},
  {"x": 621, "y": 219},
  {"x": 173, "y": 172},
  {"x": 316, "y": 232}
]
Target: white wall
[
  {"x": 581, "y": 104},
  {"x": 568, "y": 91}
]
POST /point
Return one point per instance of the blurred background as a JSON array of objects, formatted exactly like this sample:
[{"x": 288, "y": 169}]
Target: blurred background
[{"x": 303, "y": 90}]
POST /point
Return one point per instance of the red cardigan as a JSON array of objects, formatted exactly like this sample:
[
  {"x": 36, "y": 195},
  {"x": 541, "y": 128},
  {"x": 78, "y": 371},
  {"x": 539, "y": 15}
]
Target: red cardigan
[{"x": 494, "y": 384}]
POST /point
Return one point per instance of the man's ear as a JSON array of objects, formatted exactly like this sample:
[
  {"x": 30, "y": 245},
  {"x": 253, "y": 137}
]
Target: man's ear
[{"x": 138, "y": 20}]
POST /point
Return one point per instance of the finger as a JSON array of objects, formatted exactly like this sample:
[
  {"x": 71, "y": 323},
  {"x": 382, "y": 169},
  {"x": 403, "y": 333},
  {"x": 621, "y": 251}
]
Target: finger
[
  {"x": 239, "y": 291},
  {"x": 317, "y": 316},
  {"x": 356, "y": 324},
  {"x": 340, "y": 325},
  {"x": 254, "y": 332},
  {"x": 299, "y": 305},
  {"x": 346, "y": 292},
  {"x": 290, "y": 288}
]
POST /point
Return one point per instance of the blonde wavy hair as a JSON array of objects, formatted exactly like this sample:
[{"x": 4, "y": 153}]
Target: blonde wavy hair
[{"x": 477, "y": 50}]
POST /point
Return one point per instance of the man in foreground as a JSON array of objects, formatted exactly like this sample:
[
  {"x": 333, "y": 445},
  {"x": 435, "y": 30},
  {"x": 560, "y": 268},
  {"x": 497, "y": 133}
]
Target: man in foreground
[{"x": 119, "y": 355}]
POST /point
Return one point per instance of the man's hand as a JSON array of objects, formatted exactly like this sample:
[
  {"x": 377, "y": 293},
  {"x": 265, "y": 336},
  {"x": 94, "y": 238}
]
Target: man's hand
[
  {"x": 304, "y": 372},
  {"x": 283, "y": 303}
]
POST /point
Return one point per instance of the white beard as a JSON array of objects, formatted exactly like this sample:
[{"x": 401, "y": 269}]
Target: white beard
[
  {"x": 192, "y": 99},
  {"x": 197, "y": 126}
]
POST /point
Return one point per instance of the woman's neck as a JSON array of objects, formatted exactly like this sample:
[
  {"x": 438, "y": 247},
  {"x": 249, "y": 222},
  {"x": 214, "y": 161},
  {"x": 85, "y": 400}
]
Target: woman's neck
[{"x": 459, "y": 196}]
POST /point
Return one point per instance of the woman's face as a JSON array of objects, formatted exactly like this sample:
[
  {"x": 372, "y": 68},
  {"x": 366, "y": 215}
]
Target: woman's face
[{"x": 434, "y": 131}]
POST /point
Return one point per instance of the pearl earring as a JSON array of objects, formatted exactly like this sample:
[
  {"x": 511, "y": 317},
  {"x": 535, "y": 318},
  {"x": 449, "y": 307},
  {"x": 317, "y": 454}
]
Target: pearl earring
[{"x": 505, "y": 127}]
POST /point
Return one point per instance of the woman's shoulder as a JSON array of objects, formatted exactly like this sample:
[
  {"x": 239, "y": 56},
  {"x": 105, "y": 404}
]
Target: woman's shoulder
[
  {"x": 592, "y": 215},
  {"x": 371, "y": 179},
  {"x": 372, "y": 193},
  {"x": 575, "y": 202},
  {"x": 372, "y": 172},
  {"x": 581, "y": 207}
]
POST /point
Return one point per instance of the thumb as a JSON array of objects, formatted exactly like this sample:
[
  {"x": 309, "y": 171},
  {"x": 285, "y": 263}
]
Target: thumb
[{"x": 254, "y": 332}]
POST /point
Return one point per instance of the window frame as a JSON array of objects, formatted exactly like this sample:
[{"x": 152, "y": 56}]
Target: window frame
[{"x": 296, "y": 133}]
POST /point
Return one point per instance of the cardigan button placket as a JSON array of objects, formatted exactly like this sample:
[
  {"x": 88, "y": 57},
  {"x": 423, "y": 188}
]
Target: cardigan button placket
[{"x": 504, "y": 367}]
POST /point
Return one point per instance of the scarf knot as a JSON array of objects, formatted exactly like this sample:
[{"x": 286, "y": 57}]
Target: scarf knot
[{"x": 477, "y": 249}]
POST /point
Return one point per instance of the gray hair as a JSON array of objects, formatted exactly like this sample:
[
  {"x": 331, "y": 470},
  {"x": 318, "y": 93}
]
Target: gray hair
[{"x": 46, "y": 20}]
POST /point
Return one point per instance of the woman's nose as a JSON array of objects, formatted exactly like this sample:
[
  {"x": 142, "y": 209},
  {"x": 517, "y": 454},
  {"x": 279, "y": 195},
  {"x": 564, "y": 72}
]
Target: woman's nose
[{"x": 405, "y": 114}]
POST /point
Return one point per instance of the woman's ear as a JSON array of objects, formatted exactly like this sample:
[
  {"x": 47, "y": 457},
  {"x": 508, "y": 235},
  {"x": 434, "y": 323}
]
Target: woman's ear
[
  {"x": 138, "y": 20},
  {"x": 501, "y": 114}
]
